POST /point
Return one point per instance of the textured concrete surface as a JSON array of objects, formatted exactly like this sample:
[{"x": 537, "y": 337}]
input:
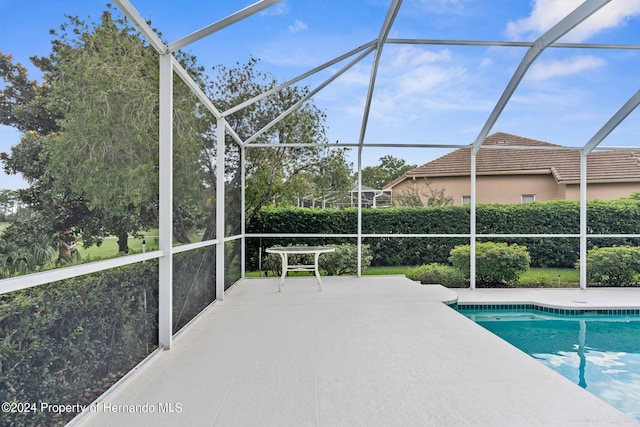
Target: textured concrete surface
[
  {"x": 590, "y": 298},
  {"x": 373, "y": 351}
]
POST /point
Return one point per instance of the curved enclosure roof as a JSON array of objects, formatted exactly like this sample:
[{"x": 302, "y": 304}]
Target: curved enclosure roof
[{"x": 440, "y": 73}]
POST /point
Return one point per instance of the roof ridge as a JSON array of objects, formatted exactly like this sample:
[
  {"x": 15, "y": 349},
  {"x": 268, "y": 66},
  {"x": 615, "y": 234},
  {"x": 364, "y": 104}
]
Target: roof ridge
[{"x": 563, "y": 163}]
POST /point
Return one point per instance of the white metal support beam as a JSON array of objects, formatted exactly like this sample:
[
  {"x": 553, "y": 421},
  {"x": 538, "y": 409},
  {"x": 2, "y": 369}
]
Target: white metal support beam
[
  {"x": 223, "y": 23},
  {"x": 384, "y": 33},
  {"x": 220, "y": 211},
  {"x": 243, "y": 216},
  {"x": 582, "y": 12},
  {"x": 359, "y": 225},
  {"x": 197, "y": 90},
  {"x": 295, "y": 80},
  {"x": 472, "y": 224},
  {"x": 615, "y": 120},
  {"x": 165, "y": 266},
  {"x": 136, "y": 19},
  {"x": 583, "y": 220},
  {"x": 307, "y": 97}
]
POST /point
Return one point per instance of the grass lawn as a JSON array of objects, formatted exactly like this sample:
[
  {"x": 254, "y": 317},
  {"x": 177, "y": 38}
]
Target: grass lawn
[
  {"x": 550, "y": 277},
  {"x": 534, "y": 278},
  {"x": 109, "y": 247}
]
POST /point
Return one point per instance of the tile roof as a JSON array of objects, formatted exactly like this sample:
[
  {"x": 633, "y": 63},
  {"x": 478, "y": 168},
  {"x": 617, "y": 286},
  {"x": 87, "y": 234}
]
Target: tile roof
[{"x": 562, "y": 162}]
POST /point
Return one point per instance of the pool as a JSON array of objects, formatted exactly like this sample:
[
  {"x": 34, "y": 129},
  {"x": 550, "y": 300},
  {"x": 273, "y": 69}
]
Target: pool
[{"x": 601, "y": 353}]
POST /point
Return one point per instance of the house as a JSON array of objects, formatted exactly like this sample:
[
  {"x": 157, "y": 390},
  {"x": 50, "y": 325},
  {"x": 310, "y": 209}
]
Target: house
[{"x": 544, "y": 171}]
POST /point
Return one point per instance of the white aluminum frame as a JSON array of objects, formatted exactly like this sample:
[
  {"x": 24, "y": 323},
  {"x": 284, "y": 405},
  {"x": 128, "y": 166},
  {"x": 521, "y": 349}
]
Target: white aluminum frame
[{"x": 169, "y": 66}]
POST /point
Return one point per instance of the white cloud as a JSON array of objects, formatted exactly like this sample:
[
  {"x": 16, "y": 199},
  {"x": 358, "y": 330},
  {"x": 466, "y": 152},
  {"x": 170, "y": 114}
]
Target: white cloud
[
  {"x": 486, "y": 62},
  {"x": 546, "y": 13},
  {"x": 544, "y": 70},
  {"x": 297, "y": 26},
  {"x": 275, "y": 10},
  {"x": 407, "y": 57},
  {"x": 413, "y": 80}
]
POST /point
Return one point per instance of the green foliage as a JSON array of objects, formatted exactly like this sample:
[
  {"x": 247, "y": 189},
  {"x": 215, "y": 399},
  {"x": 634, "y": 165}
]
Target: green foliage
[
  {"x": 107, "y": 147},
  {"x": 55, "y": 212},
  {"x": 67, "y": 342},
  {"x": 91, "y": 129},
  {"x": 496, "y": 263},
  {"x": 274, "y": 173},
  {"x": 556, "y": 217},
  {"x": 25, "y": 247},
  {"x": 389, "y": 169},
  {"x": 440, "y": 274},
  {"x": 615, "y": 266},
  {"x": 385, "y": 251},
  {"x": 344, "y": 260},
  {"x": 18, "y": 259},
  {"x": 24, "y": 103}
]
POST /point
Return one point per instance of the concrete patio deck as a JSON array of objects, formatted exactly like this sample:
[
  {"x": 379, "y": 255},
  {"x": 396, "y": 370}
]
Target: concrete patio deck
[{"x": 371, "y": 351}]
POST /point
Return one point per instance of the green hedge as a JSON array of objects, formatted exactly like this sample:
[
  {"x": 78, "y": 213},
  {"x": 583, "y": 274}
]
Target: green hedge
[
  {"x": 555, "y": 217},
  {"x": 67, "y": 342}
]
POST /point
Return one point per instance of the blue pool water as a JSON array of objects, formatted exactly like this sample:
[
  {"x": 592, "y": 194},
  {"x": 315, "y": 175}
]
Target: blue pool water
[{"x": 601, "y": 353}]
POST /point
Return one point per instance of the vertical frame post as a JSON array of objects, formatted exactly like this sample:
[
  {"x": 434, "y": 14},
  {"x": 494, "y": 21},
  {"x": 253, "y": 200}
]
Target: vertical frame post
[
  {"x": 165, "y": 266},
  {"x": 359, "y": 243},
  {"x": 243, "y": 239},
  {"x": 583, "y": 219},
  {"x": 472, "y": 224},
  {"x": 220, "y": 212}
]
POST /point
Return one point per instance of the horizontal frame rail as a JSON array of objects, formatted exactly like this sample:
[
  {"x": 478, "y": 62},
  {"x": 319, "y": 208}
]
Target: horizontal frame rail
[
  {"x": 437, "y": 235},
  {"x": 44, "y": 277}
]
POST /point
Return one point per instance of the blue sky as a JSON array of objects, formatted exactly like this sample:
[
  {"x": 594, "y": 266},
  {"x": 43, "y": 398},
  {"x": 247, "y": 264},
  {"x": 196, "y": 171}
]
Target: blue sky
[{"x": 424, "y": 94}]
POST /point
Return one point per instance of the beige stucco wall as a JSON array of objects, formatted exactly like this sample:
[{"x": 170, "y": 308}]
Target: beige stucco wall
[
  {"x": 510, "y": 188},
  {"x": 602, "y": 191}
]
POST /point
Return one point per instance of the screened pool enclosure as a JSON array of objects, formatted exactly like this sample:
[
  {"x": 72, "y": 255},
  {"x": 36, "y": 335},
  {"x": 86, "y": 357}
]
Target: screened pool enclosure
[{"x": 177, "y": 265}]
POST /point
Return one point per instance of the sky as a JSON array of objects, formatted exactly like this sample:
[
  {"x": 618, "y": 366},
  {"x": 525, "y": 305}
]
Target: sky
[{"x": 424, "y": 94}]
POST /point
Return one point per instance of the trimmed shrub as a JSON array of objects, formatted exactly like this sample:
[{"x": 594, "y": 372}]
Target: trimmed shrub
[
  {"x": 344, "y": 260},
  {"x": 496, "y": 263},
  {"x": 616, "y": 266},
  {"x": 435, "y": 273}
]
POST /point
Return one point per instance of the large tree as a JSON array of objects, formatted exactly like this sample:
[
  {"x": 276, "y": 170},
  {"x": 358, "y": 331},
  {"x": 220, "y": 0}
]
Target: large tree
[
  {"x": 276, "y": 171},
  {"x": 98, "y": 141},
  {"x": 107, "y": 145},
  {"x": 389, "y": 169},
  {"x": 25, "y": 103},
  {"x": 28, "y": 106}
]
